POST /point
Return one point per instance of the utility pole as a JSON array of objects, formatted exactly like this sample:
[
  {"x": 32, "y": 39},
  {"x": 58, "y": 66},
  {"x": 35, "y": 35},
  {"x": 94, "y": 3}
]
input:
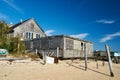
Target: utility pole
[{"x": 109, "y": 60}]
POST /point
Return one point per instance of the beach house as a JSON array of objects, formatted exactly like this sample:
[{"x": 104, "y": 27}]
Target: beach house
[
  {"x": 35, "y": 40},
  {"x": 27, "y": 30}
]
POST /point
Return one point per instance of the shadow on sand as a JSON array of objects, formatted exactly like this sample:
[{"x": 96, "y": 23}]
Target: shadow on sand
[
  {"x": 83, "y": 68},
  {"x": 116, "y": 67}
]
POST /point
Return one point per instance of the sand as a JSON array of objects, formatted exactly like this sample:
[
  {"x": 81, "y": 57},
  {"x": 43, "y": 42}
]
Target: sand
[{"x": 64, "y": 70}]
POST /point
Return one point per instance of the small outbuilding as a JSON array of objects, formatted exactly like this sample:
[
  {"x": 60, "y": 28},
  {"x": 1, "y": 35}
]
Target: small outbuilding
[{"x": 61, "y": 46}]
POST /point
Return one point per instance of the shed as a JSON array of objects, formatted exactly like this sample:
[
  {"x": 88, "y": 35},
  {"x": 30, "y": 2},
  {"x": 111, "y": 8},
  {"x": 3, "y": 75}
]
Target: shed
[{"x": 61, "y": 46}]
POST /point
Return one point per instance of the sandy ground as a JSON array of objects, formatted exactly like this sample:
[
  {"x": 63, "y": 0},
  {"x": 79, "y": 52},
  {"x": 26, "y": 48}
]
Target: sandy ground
[{"x": 64, "y": 70}]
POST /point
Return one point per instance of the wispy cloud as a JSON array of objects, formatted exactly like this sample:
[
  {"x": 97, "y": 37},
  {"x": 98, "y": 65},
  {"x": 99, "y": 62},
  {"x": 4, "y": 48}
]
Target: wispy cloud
[
  {"x": 49, "y": 32},
  {"x": 110, "y": 37},
  {"x": 3, "y": 16},
  {"x": 13, "y": 5},
  {"x": 105, "y": 21},
  {"x": 80, "y": 36}
]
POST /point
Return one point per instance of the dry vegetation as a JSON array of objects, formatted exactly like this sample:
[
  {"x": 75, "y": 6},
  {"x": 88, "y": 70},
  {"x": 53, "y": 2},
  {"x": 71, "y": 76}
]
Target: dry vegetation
[{"x": 27, "y": 55}]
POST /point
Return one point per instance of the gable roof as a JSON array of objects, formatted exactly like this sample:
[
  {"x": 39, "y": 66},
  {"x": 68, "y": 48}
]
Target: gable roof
[
  {"x": 16, "y": 25},
  {"x": 20, "y": 23}
]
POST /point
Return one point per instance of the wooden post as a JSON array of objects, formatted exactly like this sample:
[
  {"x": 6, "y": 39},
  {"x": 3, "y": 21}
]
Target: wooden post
[
  {"x": 103, "y": 63},
  {"x": 73, "y": 56},
  {"x": 57, "y": 52},
  {"x": 85, "y": 50},
  {"x": 97, "y": 65},
  {"x": 44, "y": 61},
  {"x": 18, "y": 48},
  {"x": 96, "y": 60},
  {"x": 109, "y": 60},
  {"x": 36, "y": 51},
  {"x": 116, "y": 59}
]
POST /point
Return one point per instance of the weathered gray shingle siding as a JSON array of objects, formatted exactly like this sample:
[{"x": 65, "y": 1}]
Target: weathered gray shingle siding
[
  {"x": 46, "y": 45},
  {"x": 68, "y": 47},
  {"x": 30, "y": 26},
  {"x": 73, "y": 48},
  {"x": 51, "y": 43}
]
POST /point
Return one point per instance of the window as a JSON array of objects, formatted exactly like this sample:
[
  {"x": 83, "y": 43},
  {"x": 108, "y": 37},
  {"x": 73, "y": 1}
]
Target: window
[
  {"x": 81, "y": 44},
  {"x": 29, "y": 35},
  {"x": 38, "y": 36},
  {"x": 32, "y": 25}
]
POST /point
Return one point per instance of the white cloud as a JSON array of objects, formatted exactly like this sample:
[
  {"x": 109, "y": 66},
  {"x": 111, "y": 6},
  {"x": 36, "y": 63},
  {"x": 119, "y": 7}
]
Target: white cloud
[
  {"x": 110, "y": 37},
  {"x": 80, "y": 36},
  {"x": 49, "y": 32},
  {"x": 104, "y": 21},
  {"x": 3, "y": 16},
  {"x": 11, "y": 4}
]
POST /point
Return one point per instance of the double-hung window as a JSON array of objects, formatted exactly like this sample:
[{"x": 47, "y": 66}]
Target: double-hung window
[
  {"x": 29, "y": 35},
  {"x": 38, "y": 36}
]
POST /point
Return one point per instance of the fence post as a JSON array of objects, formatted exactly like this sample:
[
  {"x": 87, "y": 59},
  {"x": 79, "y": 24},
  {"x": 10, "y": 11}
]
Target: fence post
[
  {"x": 57, "y": 52},
  {"x": 109, "y": 60},
  {"x": 36, "y": 52},
  {"x": 43, "y": 54},
  {"x": 85, "y": 49},
  {"x": 116, "y": 59}
]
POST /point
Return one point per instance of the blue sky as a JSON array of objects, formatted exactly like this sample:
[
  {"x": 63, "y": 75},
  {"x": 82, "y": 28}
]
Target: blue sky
[{"x": 97, "y": 21}]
